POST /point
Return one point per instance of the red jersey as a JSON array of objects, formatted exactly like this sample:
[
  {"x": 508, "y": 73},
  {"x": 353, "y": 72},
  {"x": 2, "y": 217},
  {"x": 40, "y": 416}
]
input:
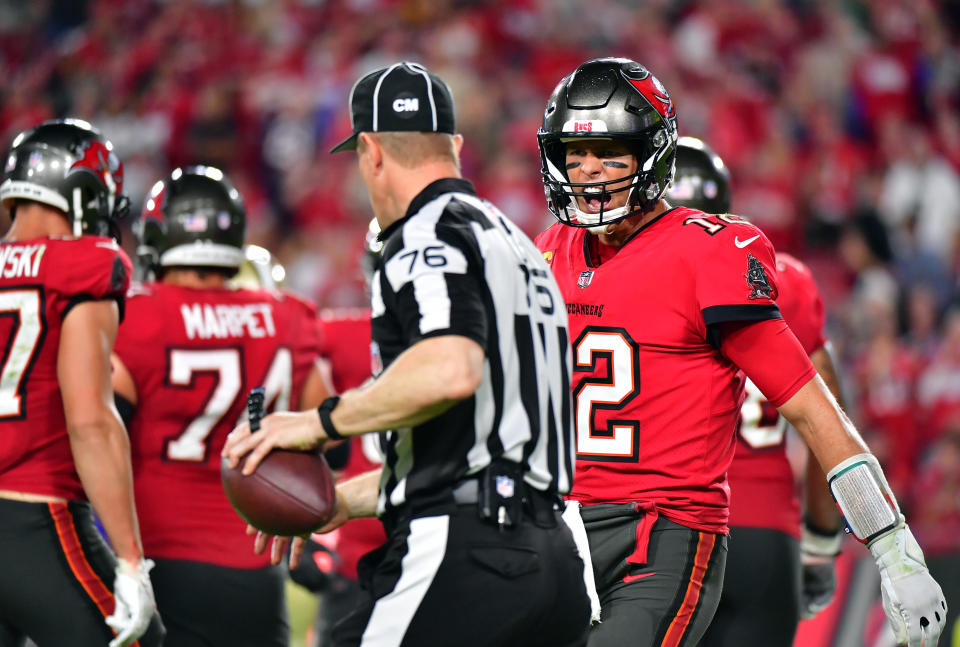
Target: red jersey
[
  {"x": 40, "y": 280},
  {"x": 194, "y": 356},
  {"x": 345, "y": 342},
  {"x": 655, "y": 403},
  {"x": 763, "y": 493}
]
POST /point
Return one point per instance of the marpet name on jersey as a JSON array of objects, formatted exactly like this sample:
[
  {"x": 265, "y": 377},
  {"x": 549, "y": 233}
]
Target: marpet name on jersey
[
  {"x": 585, "y": 309},
  {"x": 20, "y": 262},
  {"x": 207, "y": 321}
]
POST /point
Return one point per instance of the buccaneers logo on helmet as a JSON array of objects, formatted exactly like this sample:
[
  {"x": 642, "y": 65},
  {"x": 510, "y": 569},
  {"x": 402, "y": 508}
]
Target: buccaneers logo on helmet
[{"x": 102, "y": 162}]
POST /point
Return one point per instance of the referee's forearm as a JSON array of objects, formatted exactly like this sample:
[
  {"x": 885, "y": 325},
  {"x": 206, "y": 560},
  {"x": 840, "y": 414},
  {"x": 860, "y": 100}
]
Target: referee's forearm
[{"x": 422, "y": 383}]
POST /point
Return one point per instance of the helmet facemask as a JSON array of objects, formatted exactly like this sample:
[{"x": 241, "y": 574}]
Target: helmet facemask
[{"x": 562, "y": 194}]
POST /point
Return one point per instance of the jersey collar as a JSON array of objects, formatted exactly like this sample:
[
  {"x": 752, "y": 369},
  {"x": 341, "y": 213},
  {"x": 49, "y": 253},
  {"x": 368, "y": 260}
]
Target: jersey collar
[
  {"x": 429, "y": 192},
  {"x": 587, "y": 256}
]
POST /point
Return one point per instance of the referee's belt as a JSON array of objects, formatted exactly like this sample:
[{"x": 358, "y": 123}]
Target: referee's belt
[{"x": 543, "y": 507}]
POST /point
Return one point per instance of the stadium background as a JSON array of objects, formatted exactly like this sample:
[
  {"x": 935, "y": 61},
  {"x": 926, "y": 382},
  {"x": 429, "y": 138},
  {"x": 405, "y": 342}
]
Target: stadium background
[{"x": 840, "y": 122}]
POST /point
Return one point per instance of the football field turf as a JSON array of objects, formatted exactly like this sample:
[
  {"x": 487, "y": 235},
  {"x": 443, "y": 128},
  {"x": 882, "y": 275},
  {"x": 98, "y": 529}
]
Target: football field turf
[{"x": 302, "y": 605}]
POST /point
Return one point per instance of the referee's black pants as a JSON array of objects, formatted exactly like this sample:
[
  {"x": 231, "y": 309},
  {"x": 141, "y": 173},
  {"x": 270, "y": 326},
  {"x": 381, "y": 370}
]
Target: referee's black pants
[{"x": 454, "y": 579}]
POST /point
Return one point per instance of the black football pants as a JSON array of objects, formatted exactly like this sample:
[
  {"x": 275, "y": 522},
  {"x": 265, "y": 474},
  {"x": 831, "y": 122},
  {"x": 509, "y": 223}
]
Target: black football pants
[
  {"x": 667, "y": 601},
  {"x": 760, "y": 603},
  {"x": 205, "y": 605},
  {"x": 56, "y": 578}
]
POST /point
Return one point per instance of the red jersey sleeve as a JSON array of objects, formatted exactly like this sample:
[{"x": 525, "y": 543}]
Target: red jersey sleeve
[
  {"x": 98, "y": 269},
  {"x": 734, "y": 273},
  {"x": 750, "y": 346},
  {"x": 800, "y": 303}
]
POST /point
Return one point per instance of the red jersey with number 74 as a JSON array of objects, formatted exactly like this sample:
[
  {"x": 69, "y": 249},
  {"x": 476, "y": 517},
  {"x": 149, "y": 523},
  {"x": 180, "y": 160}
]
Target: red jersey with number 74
[
  {"x": 194, "y": 356},
  {"x": 40, "y": 281},
  {"x": 655, "y": 402}
]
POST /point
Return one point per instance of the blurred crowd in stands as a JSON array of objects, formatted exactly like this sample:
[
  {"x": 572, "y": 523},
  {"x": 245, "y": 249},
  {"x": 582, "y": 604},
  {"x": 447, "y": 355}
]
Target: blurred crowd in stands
[{"x": 840, "y": 121}]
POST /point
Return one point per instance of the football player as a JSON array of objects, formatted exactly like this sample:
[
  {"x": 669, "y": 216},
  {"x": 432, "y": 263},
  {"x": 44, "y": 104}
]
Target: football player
[
  {"x": 62, "y": 446},
  {"x": 667, "y": 306},
  {"x": 189, "y": 351},
  {"x": 763, "y": 592}
]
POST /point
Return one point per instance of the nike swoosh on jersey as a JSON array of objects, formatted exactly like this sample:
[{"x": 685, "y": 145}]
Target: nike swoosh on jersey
[
  {"x": 744, "y": 243},
  {"x": 632, "y": 578}
]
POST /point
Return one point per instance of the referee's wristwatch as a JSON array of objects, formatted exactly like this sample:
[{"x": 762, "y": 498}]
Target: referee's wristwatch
[{"x": 324, "y": 410}]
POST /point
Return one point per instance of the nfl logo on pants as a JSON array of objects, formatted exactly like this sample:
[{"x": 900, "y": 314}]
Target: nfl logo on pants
[{"x": 505, "y": 486}]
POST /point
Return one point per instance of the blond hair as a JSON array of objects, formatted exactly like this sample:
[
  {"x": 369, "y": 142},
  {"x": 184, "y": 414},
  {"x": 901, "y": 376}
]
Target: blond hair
[{"x": 410, "y": 149}]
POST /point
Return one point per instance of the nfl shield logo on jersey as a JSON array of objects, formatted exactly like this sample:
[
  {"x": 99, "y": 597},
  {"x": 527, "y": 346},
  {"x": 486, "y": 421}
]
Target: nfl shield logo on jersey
[
  {"x": 505, "y": 486},
  {"x": 585, "y": 277}
]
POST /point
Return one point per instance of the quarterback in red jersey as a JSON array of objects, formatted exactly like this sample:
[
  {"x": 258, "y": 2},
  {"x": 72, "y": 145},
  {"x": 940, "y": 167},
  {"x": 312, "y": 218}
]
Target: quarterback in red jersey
[
  {"x": 667, "y": 306},
  {"x": 189, "y": 351},
  {"x": 62, "y": 284},
  {"x": 763, "y": 593}
]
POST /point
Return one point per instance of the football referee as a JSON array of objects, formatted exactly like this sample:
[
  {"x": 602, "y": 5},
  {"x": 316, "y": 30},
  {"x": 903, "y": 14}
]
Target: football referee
[{"x": 472, "y": 362}]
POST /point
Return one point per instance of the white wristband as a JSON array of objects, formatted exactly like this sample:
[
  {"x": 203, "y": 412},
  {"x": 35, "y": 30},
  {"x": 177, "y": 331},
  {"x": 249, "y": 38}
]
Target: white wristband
[
  {"x": 864, "y": 497},
  {"x": 819, "y": 544}
]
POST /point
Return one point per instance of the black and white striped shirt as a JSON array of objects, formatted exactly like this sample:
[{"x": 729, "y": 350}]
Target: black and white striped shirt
[{"x": 455, "y": 265}]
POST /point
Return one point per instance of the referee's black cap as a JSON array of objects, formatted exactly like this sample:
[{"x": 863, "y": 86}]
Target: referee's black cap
[{"x": 401, "y": 97}]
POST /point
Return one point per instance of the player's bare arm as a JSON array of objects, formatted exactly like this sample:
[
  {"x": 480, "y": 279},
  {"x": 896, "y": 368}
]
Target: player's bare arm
[
  {"x": 318, "y": 385},
  {"x": 826, "y": 429},
  {"x": 123, "y": 383},
  {"x": 423, "y": 382},
  {"x": 820, "y": 509},
  {"x": 98, "y": 440}
]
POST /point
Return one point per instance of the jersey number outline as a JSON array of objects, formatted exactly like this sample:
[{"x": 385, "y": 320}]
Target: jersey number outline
[
  {"x": 713, "y": 227},
  {"x": 25, "y": 306},
  {"x": 226, "y": 366},
  {"x": 620, "y": 440},
  {"x": 761, "y": 425}
]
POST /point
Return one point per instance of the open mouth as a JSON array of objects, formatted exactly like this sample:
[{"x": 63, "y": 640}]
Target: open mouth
[{"x": 595, "y": 200}]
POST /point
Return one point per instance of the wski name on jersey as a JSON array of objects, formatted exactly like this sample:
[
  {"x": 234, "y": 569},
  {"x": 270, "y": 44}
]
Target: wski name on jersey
[{"x": 20, "y": 261}]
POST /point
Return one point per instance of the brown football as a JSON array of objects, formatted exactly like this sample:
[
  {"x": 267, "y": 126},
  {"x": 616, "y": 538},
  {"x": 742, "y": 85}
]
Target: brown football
[{"x": 290, "y": 493}]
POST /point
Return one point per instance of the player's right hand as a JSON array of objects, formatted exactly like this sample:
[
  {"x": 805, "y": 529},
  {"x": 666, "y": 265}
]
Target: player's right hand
[
  {"x": 135, "y": 603},
  {"x": 818, "y": 550},
  {"x": 819, "y": 583},
  {"x": 912, "y": 599}
]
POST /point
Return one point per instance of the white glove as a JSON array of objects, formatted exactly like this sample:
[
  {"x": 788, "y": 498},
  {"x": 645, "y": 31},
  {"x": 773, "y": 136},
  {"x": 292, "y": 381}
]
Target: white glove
[
  {"x": 134, "y": 601},
  {"x": 912, "y": 599}
]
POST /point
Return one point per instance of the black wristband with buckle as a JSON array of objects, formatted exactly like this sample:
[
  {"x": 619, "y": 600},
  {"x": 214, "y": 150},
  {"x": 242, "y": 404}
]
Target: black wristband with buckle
[{"x": 324, "y": 410}]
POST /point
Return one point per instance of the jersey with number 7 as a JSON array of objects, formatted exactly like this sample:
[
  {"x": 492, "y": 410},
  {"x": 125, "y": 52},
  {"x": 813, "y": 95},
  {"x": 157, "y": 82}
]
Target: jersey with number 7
[
  {"x": 655, "y": 402},
  {"x": 193, "y": 356},
  {"x": 40, "y": 281}
]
